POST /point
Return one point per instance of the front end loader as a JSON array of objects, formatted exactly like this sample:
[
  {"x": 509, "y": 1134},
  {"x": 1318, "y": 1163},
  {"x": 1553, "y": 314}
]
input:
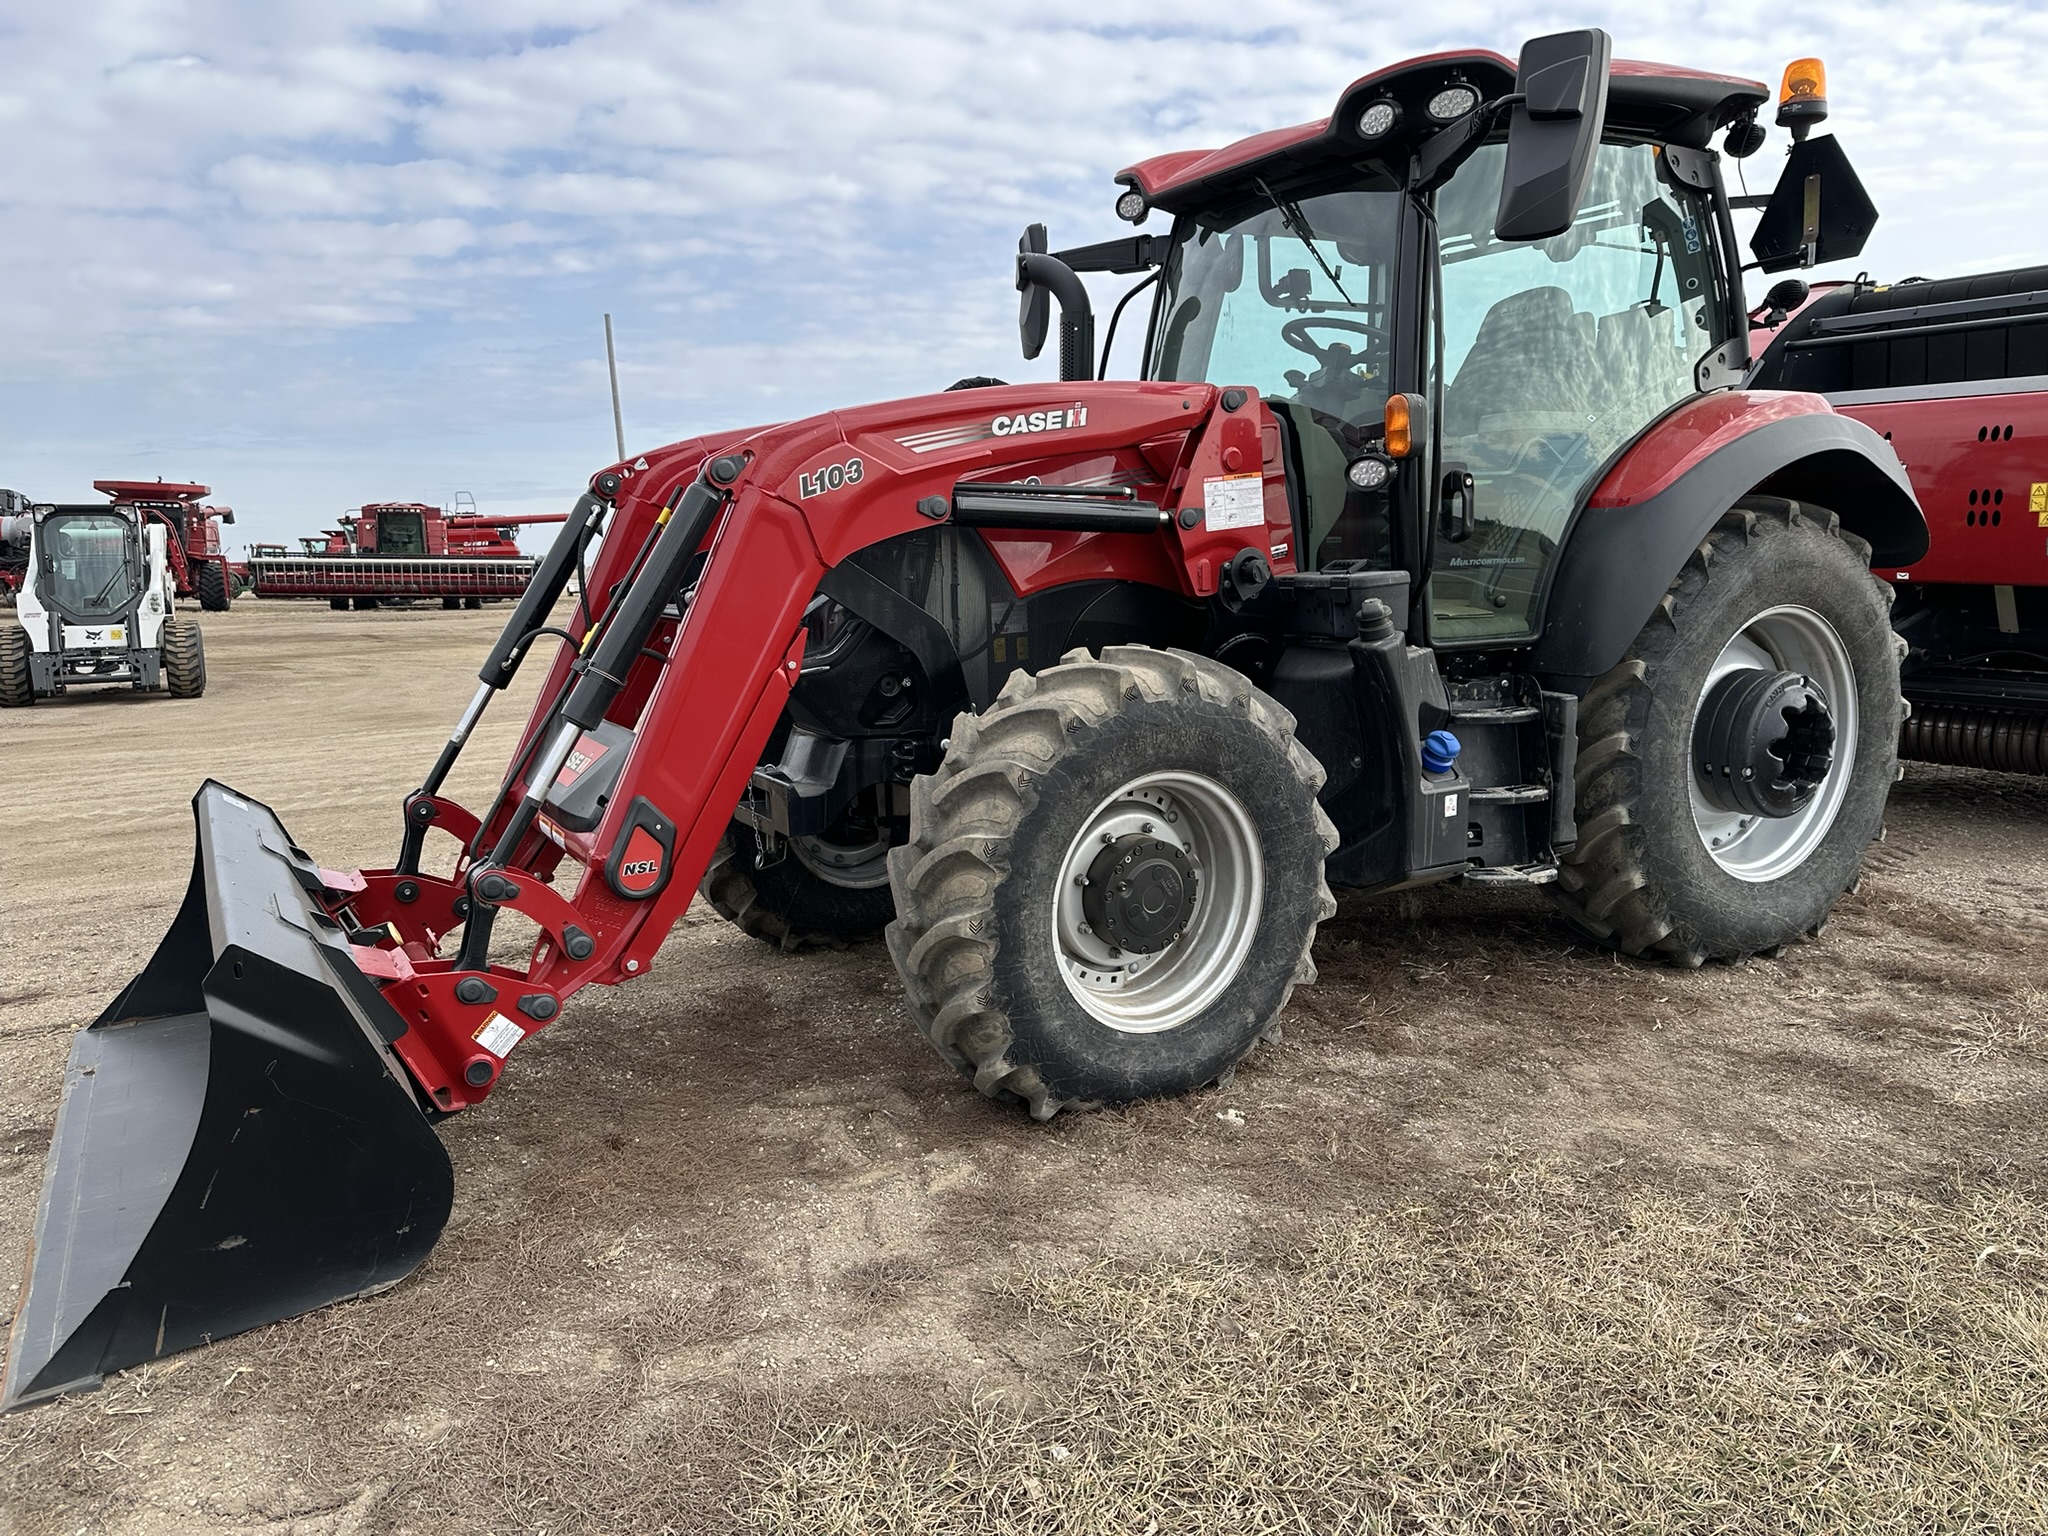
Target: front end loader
[{"x": 1437, "y": 541}]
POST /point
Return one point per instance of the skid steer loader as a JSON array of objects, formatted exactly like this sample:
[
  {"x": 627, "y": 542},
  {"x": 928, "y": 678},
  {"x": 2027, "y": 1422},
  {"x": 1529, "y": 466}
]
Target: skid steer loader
[
  {"x": 97, "y": 606},
  {"x": 1437, "y": 541}
]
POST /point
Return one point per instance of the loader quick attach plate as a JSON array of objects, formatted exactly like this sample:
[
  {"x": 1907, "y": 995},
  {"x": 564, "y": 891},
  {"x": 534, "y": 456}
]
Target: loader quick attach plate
[{"x": 237, "y": 1143}]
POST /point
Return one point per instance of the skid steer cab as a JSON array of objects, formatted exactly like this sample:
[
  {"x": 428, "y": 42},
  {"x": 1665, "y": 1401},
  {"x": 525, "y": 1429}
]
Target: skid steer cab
[
  {"x": 96, "y": 607},
  {"x": 1435, "y": 542}
]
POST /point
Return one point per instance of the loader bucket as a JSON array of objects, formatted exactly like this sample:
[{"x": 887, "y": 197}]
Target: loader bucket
[{"x": 236, "y": 1143}]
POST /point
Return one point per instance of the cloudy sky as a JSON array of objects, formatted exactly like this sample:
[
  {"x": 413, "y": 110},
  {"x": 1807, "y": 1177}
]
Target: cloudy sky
[{"x": 317, "y": 255}]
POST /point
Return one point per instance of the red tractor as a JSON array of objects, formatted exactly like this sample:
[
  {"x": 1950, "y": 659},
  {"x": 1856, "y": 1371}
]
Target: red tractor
[
  {"x": 1438, "y": 540},
  {"x": 396, "y": 550},
  {"x": 199, "y": 561}
]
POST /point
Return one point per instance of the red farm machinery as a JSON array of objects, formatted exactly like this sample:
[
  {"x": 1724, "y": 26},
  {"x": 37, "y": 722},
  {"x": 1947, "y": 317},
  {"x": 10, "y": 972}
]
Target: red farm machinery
[
  {"x": 1954, "y": 373},
  {"x": 1440, "y": 538},
  {"x": 199, "y": 561},
  {"x": 394, "y": 551}
]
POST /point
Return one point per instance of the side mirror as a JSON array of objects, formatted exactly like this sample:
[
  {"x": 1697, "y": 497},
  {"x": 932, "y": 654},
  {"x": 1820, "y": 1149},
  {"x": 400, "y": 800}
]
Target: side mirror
[
  {"x": 1554, "y": 130},
  {"x": 1818, "y": 211},
  {"x": 1034, "y": 308},
  {"x": 1041, "y": 278}
]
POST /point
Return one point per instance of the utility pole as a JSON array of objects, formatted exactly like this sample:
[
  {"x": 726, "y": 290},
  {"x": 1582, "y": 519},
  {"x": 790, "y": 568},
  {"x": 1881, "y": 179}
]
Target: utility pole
[{"x": 611, "y": 361}]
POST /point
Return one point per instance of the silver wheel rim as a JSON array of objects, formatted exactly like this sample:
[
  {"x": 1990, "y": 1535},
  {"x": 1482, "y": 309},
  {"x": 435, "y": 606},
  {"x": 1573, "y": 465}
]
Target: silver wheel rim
[
  {"x": 1762, "y": 848},
  {"x": 1147, "y": 994},
  {"x": 856, "y": 866}
]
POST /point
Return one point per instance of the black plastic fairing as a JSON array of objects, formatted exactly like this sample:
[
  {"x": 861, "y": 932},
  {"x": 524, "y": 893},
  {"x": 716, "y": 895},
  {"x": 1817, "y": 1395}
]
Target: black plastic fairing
[{"x": 1618, "y": 562}]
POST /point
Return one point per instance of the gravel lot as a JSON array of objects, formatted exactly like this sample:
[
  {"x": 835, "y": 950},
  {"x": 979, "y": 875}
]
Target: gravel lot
[{"x": 733, "y": 1249}]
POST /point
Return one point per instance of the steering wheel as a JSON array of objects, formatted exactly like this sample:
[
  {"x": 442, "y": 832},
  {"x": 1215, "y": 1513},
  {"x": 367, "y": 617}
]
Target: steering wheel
[{"x": 1295, "y": 333}]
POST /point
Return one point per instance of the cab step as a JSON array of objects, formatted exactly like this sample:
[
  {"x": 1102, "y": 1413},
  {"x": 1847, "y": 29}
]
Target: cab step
[
  {"x": 1512, "y": 794},
  {"x": 1511, "y": 874}
]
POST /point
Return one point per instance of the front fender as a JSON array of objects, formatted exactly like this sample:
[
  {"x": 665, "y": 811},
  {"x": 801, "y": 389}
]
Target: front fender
[{"x": 1666, "y": 493}]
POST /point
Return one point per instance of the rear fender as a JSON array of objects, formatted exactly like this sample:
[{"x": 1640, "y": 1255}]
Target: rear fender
[{"x": 1666, "y": 493}]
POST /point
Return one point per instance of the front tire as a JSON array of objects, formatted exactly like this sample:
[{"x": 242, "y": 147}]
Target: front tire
[
  {"x": 184, "y": 658},
  {"x": 210, "y": 581},
  {"x": 17, "y": 683},
  {"x": 1671, "y": 862},
  {"x": 822, "y": 893},
  {"x": 1113, "y": 882}
]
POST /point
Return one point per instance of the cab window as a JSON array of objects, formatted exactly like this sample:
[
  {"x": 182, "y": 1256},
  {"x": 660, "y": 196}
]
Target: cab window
[
  {"x": 1290, "y": 294},
  {"x": 1555, "y": 354}
]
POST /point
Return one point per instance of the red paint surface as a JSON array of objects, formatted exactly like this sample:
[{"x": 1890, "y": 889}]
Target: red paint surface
[
  {"x": 703, "y": 705},
  {"x": 1692, "y": 432},
  {"x": 1161, "y": 175},
  {"x": 1974, "y": 484}
]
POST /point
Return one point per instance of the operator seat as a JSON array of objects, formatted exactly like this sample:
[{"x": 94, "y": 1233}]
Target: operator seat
[
  {"x": 1529, "y": 371},
  {"x": 1640, "y": 372}
]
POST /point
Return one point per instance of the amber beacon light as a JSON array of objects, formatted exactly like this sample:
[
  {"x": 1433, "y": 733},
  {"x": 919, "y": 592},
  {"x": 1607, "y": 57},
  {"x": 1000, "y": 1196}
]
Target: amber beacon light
[{"x": 1803, "y": 98}]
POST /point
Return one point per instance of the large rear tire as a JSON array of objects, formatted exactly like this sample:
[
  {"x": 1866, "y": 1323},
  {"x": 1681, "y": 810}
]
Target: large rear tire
[
  {"x": 210, "y": 581},
  {"x": 1113, "y": 882},
  {"x": 17, "y": 684},
  {"x": 184, "y": 659},
  {"x": 823, "y": 893},
  {"x": 1671, "y": 861}
]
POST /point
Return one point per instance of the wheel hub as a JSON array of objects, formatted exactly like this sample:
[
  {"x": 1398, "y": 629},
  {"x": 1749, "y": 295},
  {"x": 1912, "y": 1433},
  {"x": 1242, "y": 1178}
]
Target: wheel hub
[
  {"x": 1763, "y": 743},
  {"x": 1140, "y": 893}
]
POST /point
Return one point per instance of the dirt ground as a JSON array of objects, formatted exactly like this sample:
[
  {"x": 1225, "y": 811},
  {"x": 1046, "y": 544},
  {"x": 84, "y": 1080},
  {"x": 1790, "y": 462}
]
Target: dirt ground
[{"x": 723, "y": 1220}]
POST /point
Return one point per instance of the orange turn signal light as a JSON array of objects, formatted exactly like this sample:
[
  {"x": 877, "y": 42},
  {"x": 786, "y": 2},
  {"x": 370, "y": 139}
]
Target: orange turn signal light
[{"x": 1407, "y": 425}]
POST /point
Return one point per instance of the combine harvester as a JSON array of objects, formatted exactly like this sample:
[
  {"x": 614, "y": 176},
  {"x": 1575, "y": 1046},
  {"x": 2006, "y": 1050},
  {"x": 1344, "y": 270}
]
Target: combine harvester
[
  {"x": 1438, "y": 540},
  {"x": 398, "y": 550}
]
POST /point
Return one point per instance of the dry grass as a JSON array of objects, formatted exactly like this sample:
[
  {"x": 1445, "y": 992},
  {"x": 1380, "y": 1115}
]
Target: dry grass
[{"x": 1544, "y": 1361}]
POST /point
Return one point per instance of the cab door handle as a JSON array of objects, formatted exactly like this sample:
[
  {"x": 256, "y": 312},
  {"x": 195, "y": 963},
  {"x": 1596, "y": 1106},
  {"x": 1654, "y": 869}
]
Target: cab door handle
[{"x": 1454, "y": 514}]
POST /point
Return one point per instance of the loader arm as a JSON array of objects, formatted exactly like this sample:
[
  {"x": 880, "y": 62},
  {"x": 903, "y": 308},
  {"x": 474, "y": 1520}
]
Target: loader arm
[
  {"x": 708, "y": 674},
  {"x": 300, "y": 1027}
]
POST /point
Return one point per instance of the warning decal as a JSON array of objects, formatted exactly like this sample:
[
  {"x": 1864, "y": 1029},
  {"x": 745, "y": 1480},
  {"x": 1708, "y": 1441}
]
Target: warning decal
[
  {"x": 1235, "y": 501},
  {"x": 2037, "y": 501},
  {"x": 499, "y": 1035}
]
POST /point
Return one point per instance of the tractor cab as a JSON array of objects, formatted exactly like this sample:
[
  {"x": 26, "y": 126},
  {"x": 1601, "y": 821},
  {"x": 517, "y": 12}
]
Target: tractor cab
[
  {"x": 396, "y": 530},
  {"x": 1525, "y": 265},
  {"x": 1363, "y": 258}
]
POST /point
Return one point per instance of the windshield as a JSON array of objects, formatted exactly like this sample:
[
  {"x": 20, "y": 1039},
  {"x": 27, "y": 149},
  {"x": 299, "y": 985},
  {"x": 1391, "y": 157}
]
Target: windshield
[
  {"x": 1289, "y": 294},
  {"x": 87, "y": 564},
  {"x": 1555, "y": 353}
]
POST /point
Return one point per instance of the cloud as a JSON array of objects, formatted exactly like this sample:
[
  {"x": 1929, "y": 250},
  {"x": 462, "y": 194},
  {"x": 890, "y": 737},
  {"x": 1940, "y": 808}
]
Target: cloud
[{"x": 323, "y": 254}]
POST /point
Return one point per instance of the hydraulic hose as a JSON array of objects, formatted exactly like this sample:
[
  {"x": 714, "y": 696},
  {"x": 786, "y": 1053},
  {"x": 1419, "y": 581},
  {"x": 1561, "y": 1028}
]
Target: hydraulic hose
[
  {"x": 601, "y": 673},
  {"x": 550, "y": 578}
]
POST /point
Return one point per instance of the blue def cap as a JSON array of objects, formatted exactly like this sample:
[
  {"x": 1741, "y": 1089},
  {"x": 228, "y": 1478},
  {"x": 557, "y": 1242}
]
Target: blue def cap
[{"x": 1439, "y": 751}]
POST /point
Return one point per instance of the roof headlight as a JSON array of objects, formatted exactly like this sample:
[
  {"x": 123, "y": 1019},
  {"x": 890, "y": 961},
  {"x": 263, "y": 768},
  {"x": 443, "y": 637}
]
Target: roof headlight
[
  {"x": 1132, "y": 207},
  {"x": 1452, "y": 103},
  {"x": 1379, "y": 119}
]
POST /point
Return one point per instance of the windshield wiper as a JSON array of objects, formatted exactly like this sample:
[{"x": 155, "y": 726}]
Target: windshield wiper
[
  {"x": 101, "y": 595},
  {"x": 1297, "y": 226}
]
